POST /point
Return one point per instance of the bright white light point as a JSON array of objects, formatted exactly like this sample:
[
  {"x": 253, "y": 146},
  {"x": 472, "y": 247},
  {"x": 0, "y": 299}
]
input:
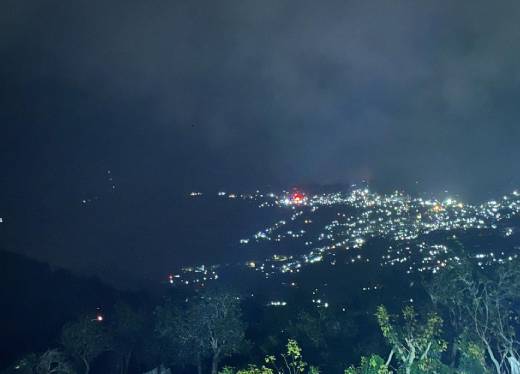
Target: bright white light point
[{"x": 99, "y": 318}]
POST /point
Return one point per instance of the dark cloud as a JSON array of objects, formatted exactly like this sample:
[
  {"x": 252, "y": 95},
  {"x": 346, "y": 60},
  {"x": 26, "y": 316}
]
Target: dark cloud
[{"x": 181, "y": 95}]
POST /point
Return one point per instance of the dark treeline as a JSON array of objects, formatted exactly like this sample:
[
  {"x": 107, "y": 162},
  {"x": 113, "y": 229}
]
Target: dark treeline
[
  {"x": 37, "y": 300},
  {"x": 466, "y": 323}
]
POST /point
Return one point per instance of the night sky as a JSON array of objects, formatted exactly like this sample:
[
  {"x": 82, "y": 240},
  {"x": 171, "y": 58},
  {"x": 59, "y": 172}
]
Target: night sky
[{"x": 132, "y": 104}]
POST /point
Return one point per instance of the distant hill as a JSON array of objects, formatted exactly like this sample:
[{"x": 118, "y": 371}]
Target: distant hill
[{"x": 37, "y": 300}]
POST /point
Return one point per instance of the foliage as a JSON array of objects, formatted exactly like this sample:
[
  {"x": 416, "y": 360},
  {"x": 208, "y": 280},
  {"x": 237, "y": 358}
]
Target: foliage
[
  {"x": 221, "y": 321},
  {"x": 227, "y": 370},
  {"x": 320, "y": 328},
  {"x": 292, "y": 360},
  {"x": 128, "y": 324},
  {"x": 210, "y": 327},
  {"x": 371, "y": 365},
  {"x": 472, "y": 358},
  {"x": 182, "y": 332},
  {"x": 54, "y": 362},
  {"x": 251, "y": 369},
  {"x": 417, "y": 345},
  {"x": 25, "y": 365},
  {"x": 85, "y": 340},
  {"x": 311, "y": 327},
  {"x": 128, "y": 329},
  {"x": 291, "y": 363},
  {"x": 483, "y": 307},
  {"x": 255, "y": 370}
]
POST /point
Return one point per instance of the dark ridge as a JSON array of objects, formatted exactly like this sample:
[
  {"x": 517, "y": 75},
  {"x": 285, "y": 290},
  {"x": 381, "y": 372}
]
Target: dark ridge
[{"x": 37, "y": 300}]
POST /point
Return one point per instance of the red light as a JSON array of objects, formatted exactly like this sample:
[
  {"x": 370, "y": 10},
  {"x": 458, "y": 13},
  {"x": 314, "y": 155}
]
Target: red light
[{"x": 298, "y": 197}]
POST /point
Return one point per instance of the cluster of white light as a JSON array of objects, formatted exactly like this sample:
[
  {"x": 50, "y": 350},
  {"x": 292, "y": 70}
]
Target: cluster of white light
[
  {"x": 364, "y": 215},
  {"x": 396, "y": 216},
  {"x": 197, "y": 275},
  {"x": 277, "y": 303},
  {"x": 371, "y": 288}
]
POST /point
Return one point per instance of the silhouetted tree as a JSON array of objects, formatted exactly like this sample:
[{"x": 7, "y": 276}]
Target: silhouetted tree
[
  {"x": 211, "y": 327},
  {"x": 182, "y": 332},
  {"x": 128, "y": 329},
  {"x": 417, "y": 345},
  {"x": 54, "y": 362},
  {"x": 25, "y": 365},
  {"x": 290, "y": 362},
  {"x": 221, "y": 321},
  {"x": 371, "y": 365},
  {"x": 483, "y": 307},
  {"x": 320, "y": 329},
  {"x": 85, "y": 340}
]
